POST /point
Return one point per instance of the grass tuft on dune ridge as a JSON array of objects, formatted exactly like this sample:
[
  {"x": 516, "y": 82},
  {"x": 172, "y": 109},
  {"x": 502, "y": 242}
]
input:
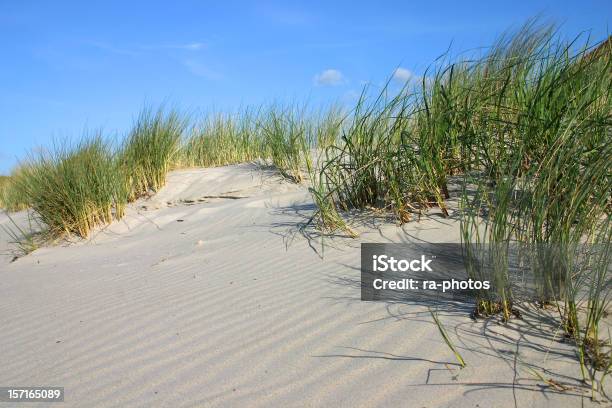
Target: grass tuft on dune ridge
[
  {"x": 73, "y": 188},
  {"x": 150, "y": 150},
  {"x": 526, "y": 128},
  {"x": 222, "y": 139},
  {"x": 12, "y": 198}
]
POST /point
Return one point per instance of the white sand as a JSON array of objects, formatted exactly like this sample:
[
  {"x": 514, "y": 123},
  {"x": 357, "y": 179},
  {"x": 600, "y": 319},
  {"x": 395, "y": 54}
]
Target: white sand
[{"x": 232, "y": 307}]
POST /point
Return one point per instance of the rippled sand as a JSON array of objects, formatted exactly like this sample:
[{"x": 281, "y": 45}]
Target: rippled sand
[{"x": 208, "y": 295}]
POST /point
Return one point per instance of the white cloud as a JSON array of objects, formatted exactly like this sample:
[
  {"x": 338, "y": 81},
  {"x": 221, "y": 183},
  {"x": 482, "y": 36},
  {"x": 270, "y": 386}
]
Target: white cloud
[
  {"x": 329, "y": 77},
  {"x": 403, "y": 75}
]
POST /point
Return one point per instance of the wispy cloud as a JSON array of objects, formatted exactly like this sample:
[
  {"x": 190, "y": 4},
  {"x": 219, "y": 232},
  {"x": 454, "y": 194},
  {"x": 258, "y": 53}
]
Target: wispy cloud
[
  {"x": 138, "y": 49},
  {"x": 329, "y": 77},
  {"x": 403, "y": 75},
  {"x": 194, "y": 46}
]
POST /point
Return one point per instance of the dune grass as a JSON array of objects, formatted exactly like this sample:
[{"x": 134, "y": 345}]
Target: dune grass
[
  {"x": 539, "y": 153},
  {"x": 222, "y": 139},
  {"x": 4, "y": 186},
  {"x": 281, "y": 135},
  {"x": 526, "y": 128},
  {"x": 541, "y": 174},
  {"x": 73, "y": 188},
  {"x": 447, "y": 339},
  {"x": 25, "y": 239},
  {"x": 12, "y": 198},
  {"x": 285, "y": 134},
  {"x": 150, "y": 150}
]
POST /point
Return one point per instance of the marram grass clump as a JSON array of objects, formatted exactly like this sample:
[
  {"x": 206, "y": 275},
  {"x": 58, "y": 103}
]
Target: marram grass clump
[
  {"x": 73, "y": 188},
  {"x": 150, "y": 150},
  {"x": 4, "y": 186},
  {"x": 12, "y": 198},
  {"x": 526, "y": 128},
  {"x": 222, "y": 139},
  {"x": 285, "y": 136}
]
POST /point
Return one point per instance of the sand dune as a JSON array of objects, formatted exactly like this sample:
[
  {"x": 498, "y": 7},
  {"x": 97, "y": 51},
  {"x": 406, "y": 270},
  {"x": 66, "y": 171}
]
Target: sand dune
[{"x": 208, "y": 295}]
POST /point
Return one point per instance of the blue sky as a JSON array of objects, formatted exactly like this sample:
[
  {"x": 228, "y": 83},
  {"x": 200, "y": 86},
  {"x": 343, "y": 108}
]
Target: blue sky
[{"x": 70, "y": 66}]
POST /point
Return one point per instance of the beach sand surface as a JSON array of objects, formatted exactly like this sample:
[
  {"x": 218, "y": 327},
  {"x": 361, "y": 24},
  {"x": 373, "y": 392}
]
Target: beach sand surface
[{"x": 210, "y": 294}]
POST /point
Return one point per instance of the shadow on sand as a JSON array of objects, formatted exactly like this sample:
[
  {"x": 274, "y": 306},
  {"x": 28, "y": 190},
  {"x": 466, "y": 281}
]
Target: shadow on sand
[{"x": 524, "y": 345}]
